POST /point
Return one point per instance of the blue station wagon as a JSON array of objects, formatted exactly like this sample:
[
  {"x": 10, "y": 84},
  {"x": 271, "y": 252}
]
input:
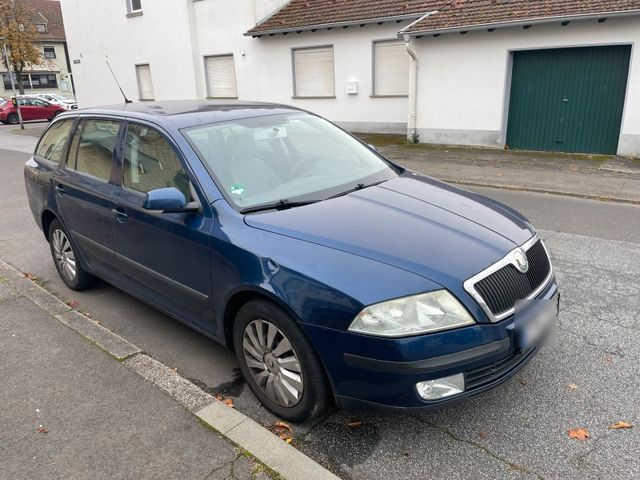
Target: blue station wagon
[{"x": 334, "y": 274}]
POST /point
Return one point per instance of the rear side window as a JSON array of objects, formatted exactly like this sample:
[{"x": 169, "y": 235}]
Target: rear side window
[
  {"x": 52, "y": 143},
  {"x": 150, "y": 162},
  {"x": 92, "y": 148}
]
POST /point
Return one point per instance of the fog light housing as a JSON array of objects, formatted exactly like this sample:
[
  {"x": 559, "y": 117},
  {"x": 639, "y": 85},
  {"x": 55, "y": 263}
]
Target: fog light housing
[{"x": 441, "y": 387}]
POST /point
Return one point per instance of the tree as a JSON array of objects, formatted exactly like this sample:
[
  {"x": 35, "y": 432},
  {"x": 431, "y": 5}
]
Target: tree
[{"x": 18, "y": 34}]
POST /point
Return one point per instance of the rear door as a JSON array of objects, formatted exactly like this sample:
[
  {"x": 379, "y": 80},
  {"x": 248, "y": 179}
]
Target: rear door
[
  {"x": 84, "y": 187},
  {"x": 165, "y": 257},
  {"x": 27, "y": 110}
]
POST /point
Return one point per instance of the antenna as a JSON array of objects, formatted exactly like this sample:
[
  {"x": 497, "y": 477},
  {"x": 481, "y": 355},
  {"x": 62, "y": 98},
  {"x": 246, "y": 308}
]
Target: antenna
[{"x": 126, "y": 100}]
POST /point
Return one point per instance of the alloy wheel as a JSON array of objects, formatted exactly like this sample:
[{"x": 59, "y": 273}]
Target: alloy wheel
[
  {"x": 273, "y": 362},
  {"x": 64, "y": 256}
]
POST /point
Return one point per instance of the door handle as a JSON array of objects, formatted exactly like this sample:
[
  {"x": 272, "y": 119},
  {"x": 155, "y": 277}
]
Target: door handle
[
  {"x": 60, "y": 189},
  {"x": 120, "y": 215}
]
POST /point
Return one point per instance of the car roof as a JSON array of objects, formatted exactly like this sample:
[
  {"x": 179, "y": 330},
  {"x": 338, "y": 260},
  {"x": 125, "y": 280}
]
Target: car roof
[{"x": 187, "y": 113}]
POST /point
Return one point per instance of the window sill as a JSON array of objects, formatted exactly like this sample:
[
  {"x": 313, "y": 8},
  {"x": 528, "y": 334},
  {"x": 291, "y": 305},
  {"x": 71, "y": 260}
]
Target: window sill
[
  {"x": 388, "y": 96},
  {"x": 146, "y": 99},
  {"x": 137, "y": 13},
  {"x": 222, "y": 98},
  {"x": 312, "y": 98}
]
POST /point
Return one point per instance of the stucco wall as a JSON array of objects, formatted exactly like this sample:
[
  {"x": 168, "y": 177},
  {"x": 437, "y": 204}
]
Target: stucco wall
[
  {"x": 264, "y": 72},
  {"x": 463, "y": 84},
  {"x": 159, "y": 37}
]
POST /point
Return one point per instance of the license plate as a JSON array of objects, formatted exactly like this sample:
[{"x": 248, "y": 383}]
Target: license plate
[{"x": 534, "y": 320}]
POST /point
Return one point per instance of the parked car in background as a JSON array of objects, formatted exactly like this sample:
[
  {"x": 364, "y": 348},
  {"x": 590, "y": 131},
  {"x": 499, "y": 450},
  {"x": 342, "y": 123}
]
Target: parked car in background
[
  {"x": 54, "y": 98},
  {"x": 332, "y": 272},
  {"x": 31, "y": 108}
]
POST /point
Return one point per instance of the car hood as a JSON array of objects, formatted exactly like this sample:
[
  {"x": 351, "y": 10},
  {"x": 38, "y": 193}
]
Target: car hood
[{"x": 412, "y": 222}]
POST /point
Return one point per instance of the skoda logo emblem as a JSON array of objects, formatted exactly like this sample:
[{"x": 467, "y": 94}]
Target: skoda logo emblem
[{"x": 520, "y": 261}]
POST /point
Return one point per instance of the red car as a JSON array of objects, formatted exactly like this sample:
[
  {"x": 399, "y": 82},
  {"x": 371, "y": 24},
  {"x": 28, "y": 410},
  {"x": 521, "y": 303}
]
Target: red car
[{"x": 31, "y": 109}]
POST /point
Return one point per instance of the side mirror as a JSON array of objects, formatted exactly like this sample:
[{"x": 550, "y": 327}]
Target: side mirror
[{"x": 168, "y": 200}]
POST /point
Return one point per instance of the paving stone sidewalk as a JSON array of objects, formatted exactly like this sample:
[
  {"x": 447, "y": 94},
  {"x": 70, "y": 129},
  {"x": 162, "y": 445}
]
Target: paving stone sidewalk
[
  {"x": 601, "y": 177},
  {"x": 72, "y": 411}
]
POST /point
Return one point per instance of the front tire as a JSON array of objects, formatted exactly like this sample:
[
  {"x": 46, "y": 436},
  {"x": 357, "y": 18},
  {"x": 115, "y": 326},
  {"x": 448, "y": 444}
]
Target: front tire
[
  {"x": 278, "y": 362},
  {"x": 13, "y": 119},
  {"x": 66, "y": 260}
]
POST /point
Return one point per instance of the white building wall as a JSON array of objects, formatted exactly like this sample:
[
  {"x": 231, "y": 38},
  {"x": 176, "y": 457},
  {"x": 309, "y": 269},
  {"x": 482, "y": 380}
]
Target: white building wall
[
  {"x": 264, "y": 65},
  {"x": 464, "y": 80},
  {"x": 159, "y": 37}
]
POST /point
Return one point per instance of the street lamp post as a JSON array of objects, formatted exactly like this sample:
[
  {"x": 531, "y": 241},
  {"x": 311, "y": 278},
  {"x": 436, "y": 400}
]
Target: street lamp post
[{"x": 13, "y": 86}]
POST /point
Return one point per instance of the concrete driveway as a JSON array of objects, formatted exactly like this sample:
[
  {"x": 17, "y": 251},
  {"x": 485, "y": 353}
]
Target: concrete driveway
[{"x": 585, "y": 378}]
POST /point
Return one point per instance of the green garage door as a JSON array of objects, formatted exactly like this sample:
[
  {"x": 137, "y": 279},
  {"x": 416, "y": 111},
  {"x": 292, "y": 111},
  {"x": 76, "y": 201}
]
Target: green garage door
[{"x": 568, "y": 99}]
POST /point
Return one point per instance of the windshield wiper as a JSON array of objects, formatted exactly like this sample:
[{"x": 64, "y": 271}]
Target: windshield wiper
[
  {"x": 359, "y": 186},
  {"x": 279, "y": 205}
]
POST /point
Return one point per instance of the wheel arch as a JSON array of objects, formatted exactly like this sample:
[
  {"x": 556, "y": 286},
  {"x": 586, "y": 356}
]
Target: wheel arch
[
  {"x": 45, "y": 220},
  {"x": 241, "y": 297}
]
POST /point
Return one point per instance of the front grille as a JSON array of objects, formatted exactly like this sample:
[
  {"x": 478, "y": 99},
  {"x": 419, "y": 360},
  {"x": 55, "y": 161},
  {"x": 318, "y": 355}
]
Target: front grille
[
  {"x": 504, "y": 287},
  {"x": 494, "y": 371}
]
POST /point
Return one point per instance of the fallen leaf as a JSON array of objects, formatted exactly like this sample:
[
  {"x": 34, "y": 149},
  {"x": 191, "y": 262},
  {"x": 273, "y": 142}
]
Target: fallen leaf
[
  {"x": 174, "y": 369},
  {"x": 578, "y": 433},
  {"x": 219, "y": 397},
  {"x": 30, "y": 276},
  {"x": 228, "y": 402},
  {"x": 521, "y": 381},
  {"x": 482, "y": 434},
  {"x": 288, "y": 440},
  {"x": 73, "y": 303},
  {"x": 42, "y": 430},
  {"x": 620, "y": 425},
  {"x": 608, "y": 359},
  {"x": 283, "y": 426},
  {"x": 572, "y": 386},
  {"x": 355, "y": 423}
]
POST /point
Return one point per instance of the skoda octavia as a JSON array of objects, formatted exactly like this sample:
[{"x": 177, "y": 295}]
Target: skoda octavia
[{"x": 334, "y": 274}]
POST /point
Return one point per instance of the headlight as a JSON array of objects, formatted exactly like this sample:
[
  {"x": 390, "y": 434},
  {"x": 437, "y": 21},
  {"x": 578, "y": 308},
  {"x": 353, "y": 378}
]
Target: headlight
[{"x": 424, "y": 313}]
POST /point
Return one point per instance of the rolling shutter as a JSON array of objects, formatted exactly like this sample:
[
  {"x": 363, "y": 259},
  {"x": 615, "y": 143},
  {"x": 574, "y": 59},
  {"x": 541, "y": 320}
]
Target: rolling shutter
[
  {"x": 391, "y": 69},
  {"x": 221, "y": 77},
  {"x": 145, "y": 86},
  {"x": 313, "y": 72}
]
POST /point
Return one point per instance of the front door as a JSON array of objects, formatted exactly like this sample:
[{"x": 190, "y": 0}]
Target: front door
[
  {"x": 83, "y": 191},
  {"x": 164, "y": 256}
]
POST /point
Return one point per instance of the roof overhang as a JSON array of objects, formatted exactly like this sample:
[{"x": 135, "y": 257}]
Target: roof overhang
[
  {"x": 518, "y": 23},
  {"x": 328, "y": 26}
]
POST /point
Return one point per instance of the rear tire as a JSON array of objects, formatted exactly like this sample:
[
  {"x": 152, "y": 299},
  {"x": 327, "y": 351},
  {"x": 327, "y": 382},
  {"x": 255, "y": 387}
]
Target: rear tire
[
  {"x": 278, "y": 362},
  {"x": 66, "y": 260},
  {"x": 13, "y": 119}
]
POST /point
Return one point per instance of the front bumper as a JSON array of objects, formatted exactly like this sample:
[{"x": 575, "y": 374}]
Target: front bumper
[{"x": 370, "y": 372}]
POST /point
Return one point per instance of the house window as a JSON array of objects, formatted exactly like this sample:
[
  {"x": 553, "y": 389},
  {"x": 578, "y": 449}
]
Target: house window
[
  {"x": 390, "y": 69},
  {"x": 221, "y": 76},
  {"x": 313, "y": 72},
  {"x": 41, "y": 28},
  {"x": 134, "y": 6},
  {"x": 145, "y": 86},
  {"x": 33, "y": 81},
  {"x": 49, "y": 52}
]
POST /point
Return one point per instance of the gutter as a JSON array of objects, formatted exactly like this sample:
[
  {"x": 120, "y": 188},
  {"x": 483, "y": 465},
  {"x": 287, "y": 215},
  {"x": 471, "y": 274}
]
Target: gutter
[
  {"x": 518, "y": 23},
  {"x": 347, "y": 23}
]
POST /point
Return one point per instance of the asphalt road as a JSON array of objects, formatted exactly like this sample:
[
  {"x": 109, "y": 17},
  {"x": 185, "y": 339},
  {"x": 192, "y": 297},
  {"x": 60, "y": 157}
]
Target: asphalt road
[{"x": 518, "y": 430}]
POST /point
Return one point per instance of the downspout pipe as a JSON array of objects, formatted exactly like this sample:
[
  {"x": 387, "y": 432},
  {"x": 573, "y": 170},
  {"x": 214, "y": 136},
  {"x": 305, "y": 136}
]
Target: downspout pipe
[{"x": 412, "y": 132}]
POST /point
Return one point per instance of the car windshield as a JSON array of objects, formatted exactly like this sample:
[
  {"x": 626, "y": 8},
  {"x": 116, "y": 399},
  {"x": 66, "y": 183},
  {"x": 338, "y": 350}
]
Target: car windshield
[
  {"x": 285, "y": 160},
  {"x": 3, "y": 101}
]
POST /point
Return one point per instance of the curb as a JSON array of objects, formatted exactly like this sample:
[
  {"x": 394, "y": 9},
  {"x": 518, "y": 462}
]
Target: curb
[
  {"x": 283, "y": 459},
  {"x": 520, "y": 188}
]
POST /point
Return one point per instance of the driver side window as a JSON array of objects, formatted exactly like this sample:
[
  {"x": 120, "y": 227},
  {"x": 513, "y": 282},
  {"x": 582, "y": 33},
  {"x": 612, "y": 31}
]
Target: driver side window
[{"x": 151, "y": 163}]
